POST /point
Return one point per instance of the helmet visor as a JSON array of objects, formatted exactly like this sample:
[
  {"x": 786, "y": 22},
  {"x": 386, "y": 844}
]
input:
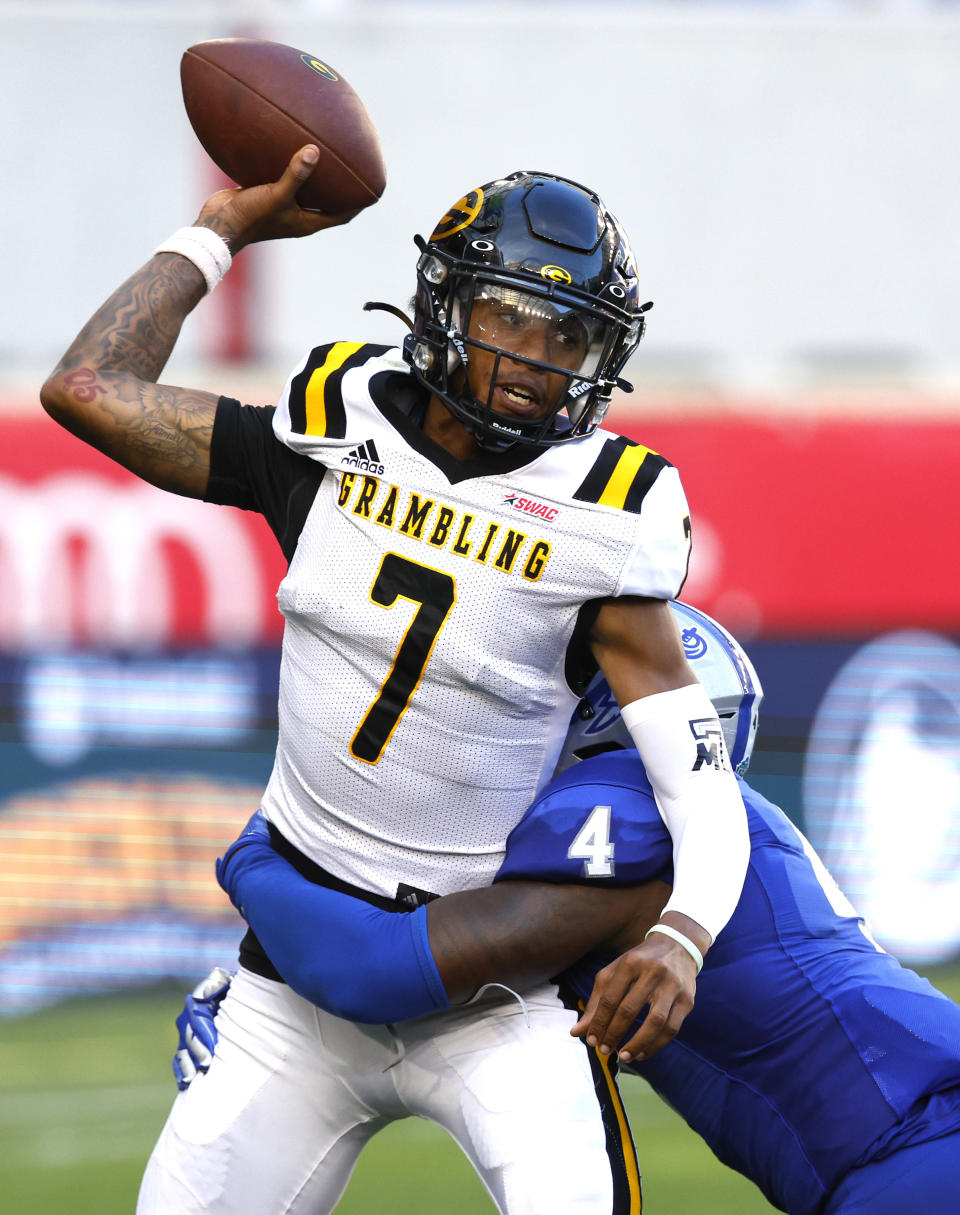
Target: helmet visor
[{"x": 537, "y": 329}]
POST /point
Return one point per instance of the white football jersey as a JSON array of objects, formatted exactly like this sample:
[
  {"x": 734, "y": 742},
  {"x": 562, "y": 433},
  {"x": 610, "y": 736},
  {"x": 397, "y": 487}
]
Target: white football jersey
[{"x": 430, "y": 604}]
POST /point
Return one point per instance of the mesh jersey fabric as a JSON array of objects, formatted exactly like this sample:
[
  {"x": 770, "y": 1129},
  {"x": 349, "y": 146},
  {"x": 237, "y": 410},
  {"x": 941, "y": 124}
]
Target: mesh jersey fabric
[{"x": 429, "y": 608}]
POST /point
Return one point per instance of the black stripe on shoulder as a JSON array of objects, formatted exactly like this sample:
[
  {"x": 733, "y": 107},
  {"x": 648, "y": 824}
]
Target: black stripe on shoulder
[
  {"x": 323, "y": 373},
  {"x": 595, "y": 482},
  {"x": 651, "y": 468},
  {"x": 333, "y": 397},
  {"x": 298, "y": 387}
]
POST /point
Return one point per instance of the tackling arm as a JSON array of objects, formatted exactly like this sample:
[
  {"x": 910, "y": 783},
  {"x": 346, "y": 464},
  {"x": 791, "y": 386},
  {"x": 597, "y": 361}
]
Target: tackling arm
[{"x": 366, "y": 964}]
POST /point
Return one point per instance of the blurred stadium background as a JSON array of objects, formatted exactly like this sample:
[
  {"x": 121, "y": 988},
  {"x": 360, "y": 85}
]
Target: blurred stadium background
[{"x": 788, "y": 172}]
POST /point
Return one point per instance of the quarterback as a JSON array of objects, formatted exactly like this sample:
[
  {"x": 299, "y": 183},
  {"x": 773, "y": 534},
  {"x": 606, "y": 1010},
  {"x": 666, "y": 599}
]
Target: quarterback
[
  {"x": 465, "y": 546},
  {"x": 833, "y": 1085}
]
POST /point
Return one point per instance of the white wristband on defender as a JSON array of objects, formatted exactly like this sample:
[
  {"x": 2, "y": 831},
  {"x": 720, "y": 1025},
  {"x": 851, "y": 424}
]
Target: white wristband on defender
[
  {"x": 202, "y": 246},
  {"x": 680, "y": 740},
  {"x": 680, "y": 939}
]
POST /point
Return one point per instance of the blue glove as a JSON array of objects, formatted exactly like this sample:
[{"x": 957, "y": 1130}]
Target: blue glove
[
  {"x": 198, "y": 1033},
  {"x": 256, "y": 832}
]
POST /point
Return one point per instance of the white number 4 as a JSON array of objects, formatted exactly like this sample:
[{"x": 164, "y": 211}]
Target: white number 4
[{"x": 592, "y": 844}]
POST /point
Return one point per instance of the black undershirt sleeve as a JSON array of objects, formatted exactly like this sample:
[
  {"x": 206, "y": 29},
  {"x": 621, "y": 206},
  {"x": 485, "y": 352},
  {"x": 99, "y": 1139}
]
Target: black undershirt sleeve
[{"x": 250, "y": 468}]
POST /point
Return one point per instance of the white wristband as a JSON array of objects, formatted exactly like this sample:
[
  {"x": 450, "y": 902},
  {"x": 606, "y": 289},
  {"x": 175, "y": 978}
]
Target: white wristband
[
  {"x": 680, "y": 939},
  {"x": 202, "y": 246}
]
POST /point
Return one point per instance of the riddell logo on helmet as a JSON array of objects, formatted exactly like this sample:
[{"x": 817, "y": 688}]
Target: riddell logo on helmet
[{"x": 529, "y": 506}]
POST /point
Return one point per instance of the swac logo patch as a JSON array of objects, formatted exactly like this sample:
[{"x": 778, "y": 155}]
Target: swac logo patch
[
  {"x": 320, "y": 68},
  {"x": 461, "y": 215},
  {"x": 694, "y": 646},
  {"x": 556, "y": 274},
  {"x": 529, "y": 506}
]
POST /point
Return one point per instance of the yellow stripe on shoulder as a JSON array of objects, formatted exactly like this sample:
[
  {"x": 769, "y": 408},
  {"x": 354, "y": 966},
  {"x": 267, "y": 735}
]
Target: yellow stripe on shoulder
[
  {"x": 621, "y": 479},
  {"x": 621, "y": 475},
  {"x": 315, "y": 393}
]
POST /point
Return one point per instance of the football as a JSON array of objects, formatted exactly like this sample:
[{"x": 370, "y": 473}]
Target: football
[{"x": 252, "y": 104}]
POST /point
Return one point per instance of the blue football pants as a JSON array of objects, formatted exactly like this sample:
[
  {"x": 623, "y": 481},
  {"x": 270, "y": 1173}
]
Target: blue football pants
[{"x": 922, "y": 1177}]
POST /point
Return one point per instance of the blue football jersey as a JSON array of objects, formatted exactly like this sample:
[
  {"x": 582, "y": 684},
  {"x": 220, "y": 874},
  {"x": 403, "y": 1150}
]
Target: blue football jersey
[{"x": 809, "y": 1049}]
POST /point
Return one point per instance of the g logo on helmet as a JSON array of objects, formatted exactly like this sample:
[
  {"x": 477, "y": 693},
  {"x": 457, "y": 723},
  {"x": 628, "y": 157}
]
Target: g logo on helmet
[
  {"x": 556, "y": 274},
  {"x": 461, "y": 215},
  {"x": 320, "y": 68}
]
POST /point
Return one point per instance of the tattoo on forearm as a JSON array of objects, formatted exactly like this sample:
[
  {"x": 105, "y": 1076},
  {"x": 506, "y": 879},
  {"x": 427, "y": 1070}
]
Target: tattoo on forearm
[
  {"x": 83, "y": 385},
  {"x": 111, "y": 369},
  {"x": 172, "y": 427},
  {"x": 136, "y": 329}
]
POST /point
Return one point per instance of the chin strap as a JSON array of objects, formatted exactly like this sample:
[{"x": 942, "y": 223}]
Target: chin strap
[{"x": 377, "y": 306}]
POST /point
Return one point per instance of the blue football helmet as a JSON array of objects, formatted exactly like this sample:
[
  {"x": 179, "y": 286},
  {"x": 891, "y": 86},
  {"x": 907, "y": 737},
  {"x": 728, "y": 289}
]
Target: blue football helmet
[{"x": 721, "y": 665}]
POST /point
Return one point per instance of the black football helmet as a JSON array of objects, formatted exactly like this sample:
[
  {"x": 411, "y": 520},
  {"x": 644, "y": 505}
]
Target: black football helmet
[{"x": 528, "y": 245}]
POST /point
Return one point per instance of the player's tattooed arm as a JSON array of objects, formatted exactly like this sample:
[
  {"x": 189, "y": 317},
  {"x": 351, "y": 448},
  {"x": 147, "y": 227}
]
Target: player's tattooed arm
[{"x": 104, "y": 389}]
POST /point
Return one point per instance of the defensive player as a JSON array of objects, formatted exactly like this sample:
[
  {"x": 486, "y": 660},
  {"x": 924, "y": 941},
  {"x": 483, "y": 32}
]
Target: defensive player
[
  {"x": 464, "y": 545},
  {"x": 812, "y": 1062}
]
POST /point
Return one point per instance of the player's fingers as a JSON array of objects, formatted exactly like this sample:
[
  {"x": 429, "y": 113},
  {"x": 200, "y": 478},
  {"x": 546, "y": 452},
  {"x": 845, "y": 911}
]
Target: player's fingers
[
  {"x": 626, "y": 1010},
  {"x": 299, "y": 168},
  {"x": 662, "y": 1022},
  {"x": 198, "y": 1043},
  {"x": 599, "y": 995},
  {"x": 214, "y": 985},
  {"x": 614, "y": 1004},
  {"x": 324, "y": 219},
  {"x": 184, "y": 1069}
]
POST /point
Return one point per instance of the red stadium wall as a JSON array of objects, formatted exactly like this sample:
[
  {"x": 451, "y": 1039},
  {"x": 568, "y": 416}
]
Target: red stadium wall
[
  {"x": 800, "y": 528},
  {"x": 819, "y": 527}
]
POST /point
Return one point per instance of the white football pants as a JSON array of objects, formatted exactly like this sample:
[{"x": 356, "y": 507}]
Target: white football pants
[{"x": 293, "y": 1094}]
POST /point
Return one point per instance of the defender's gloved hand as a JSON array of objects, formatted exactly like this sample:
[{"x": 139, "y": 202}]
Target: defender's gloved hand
[{"x": 198, "y": 1033}]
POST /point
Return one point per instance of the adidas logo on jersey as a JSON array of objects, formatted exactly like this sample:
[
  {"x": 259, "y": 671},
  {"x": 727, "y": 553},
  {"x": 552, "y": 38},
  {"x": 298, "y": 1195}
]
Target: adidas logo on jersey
[
  {"x": 539, "y": 510},
  {"x": 365, "y": 457}
]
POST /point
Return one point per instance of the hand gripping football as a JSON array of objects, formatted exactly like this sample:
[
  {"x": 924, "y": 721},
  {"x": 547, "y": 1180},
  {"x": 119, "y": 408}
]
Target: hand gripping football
[{"x": 252, "y": 104}]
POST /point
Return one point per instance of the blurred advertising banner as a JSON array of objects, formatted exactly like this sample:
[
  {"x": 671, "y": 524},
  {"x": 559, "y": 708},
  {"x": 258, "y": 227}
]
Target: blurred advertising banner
[
  {"x": 139, "y": 654},
  {"x": 859, "y": 742},
  {"x": 90, "y": 555},
  {"x": 799, "y": 529}
]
